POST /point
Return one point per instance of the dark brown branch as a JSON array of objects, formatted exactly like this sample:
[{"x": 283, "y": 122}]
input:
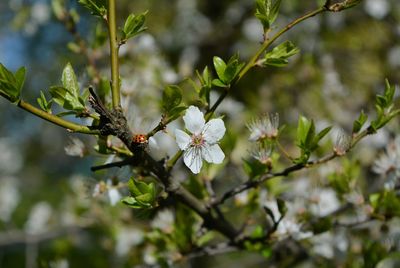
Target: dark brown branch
[{"x": 119, "y": 164}]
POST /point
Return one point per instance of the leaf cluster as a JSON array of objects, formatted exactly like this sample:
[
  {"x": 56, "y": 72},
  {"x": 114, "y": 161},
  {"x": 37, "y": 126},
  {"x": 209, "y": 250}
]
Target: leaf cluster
[
  {"x": 142, "y": 195},
  {"x": 11, "y": 84},
  {"x": 308, "y": 138},
  {"x": 226, "y": 71},
  {"x": 267, "y": 11}
]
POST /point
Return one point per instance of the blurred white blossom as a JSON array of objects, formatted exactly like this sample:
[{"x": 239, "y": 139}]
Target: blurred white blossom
[
  {"x": 324, "y": 202},
  {"x": 377, "y": 8},
  {"x": 114, "y": 195},
  {"x": 39, "y": 217},
  {"x": 75, "y": 147},
  {"x": 288, "y": 226},
  {"x": 10, "y": 157},
  {"x": 126, "y": 238},
  {"x": 164, "y": 220},
  {"x": 9, "y": 197},
  {"x": 203, "y": 142}
]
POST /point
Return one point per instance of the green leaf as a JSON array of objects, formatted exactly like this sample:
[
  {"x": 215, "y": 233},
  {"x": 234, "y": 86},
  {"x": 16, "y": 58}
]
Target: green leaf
[
  {"x": 302, "y": 129},
  {"x": 206, "y": 84},
  {"x": 69, "y": 80},
  {"x": 220, "y": 67},
  {"x": 254, "y": 168},
  {"x": 134, "y": 25},
  {"x": 218, "y": 83},
  {"x": 307, "y": 139},
  {"x": 278, "y": 56},
  {"x": 65, "y": 99},
  {"x": 274, "y": 11},
  {"x": 68, "y": 96},
  {"x": 322, "y": 133},
  {"x": 146, "y": 198},
  {"x": 267, "y": 12},
  {"x": 133, "y": 189},
  {"x": 232, "y": 69},
  {"x": 10, "y": 84},
  {"x": 171, "y": 98},
  {"x": 20, "y": 78},
  {"x": 176, "y": 112},
  {"x": 359, "y": 123},
  {"x": 43, "y": 103},
  {"x": 144, "y": 194},
  {"x": 135, "y": 203},
  {"x": 96, "y": 7}
]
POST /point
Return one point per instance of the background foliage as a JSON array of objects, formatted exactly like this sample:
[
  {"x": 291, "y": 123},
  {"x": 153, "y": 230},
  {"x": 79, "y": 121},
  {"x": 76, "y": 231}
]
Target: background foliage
[{"x": 48, "y": 214}]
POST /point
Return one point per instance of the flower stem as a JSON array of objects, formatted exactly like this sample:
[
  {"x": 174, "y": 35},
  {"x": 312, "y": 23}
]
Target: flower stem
[{"x": 112, "y": 32}]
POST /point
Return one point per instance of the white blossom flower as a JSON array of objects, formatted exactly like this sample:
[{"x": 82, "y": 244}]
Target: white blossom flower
[
  {"x": 164, "y": 220},
  {"x": 203, "y": 141},
  {"x": 264, "y": 127},
  {"x": 76, "y": 147}
]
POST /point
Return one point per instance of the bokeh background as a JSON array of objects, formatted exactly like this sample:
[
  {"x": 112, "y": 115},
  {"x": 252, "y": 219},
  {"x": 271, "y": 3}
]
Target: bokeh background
[{"x": 48, "y": 214}]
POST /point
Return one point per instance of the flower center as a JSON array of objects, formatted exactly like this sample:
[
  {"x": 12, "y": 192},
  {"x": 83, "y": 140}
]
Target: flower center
[{"x": 197, "y": 140}]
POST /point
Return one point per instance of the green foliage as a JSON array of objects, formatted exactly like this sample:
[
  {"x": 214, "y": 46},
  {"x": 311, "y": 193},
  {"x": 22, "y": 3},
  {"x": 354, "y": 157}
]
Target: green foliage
[
  {"x": 307, "y": 138},
  {"x": 384, "y": 107},
  {"x": 203, "y": 209},
  {"x": 184, "y": 231},
  {"x": 206, "y": 85},
  {"x": 266, "y": 12},
  {"x": 43, "y": 103},
  {"x": 11, "y": 84},
  {"x": 134, "y": 25},
  {"x": 278, "y": 57},
  {"x": 359, "y": 123},
  {"x": 142, "y": 195},
  {"x": 343, "y": 181},
  {"x": 68, "y": 95},
  {"x": 254, "y": 168},
  {"x": 171, "y": 102},
  {"x": 386, "y": 203},
  {"x": 96, "y": 7},
  {"x": 373, "y": 252},
  {"x": 58, "y": 7},
  {"x": 226, "y": 72}
]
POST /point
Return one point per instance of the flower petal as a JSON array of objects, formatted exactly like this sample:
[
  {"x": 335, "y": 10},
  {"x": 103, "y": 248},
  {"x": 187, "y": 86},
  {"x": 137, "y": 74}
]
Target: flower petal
[
  {"x": 214, "y": 130},
  {"x": 213, "y": 154},
  {"x": 192, "y": 159},
  {"x": 194, "y": 120},
  {"x": 182, "y": 139}
]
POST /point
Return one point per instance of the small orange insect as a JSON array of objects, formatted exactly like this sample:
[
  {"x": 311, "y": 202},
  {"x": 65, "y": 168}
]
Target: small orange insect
[{"x": 140, "y": 138}]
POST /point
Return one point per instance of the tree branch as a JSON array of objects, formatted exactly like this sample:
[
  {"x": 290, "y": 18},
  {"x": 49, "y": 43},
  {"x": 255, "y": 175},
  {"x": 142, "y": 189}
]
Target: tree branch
[
  {"x": 112, "y": 32},
  {"x": 72, "y": 127},
  {"x": 285, "y": 172},
  {"x": 113, "y": 122}
]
